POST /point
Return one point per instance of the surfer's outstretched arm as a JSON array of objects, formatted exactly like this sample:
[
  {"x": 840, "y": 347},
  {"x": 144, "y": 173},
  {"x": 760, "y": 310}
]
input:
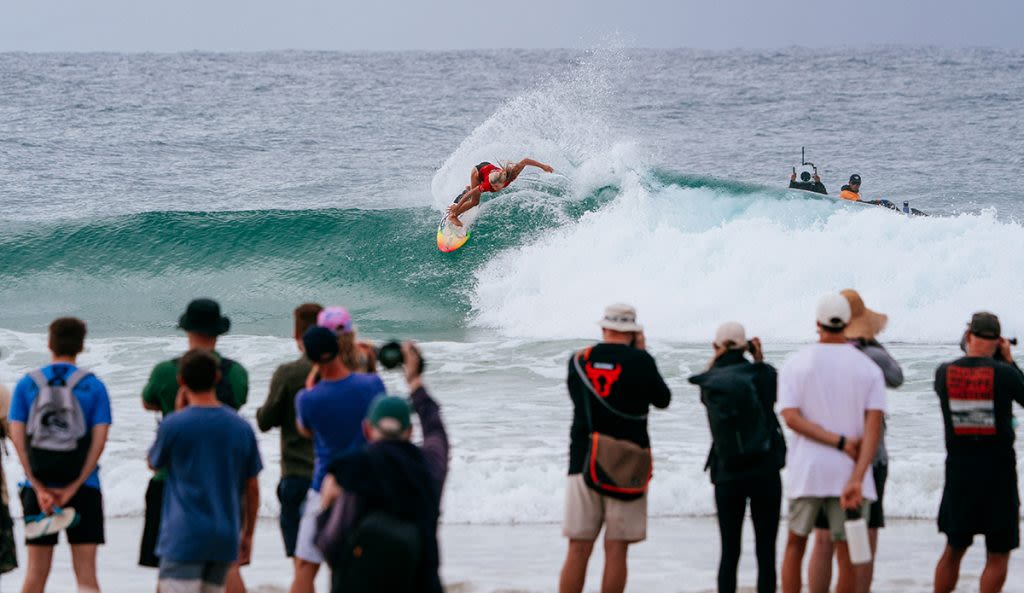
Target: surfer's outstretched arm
[
  {"x": 517, "y": 168},
  {"x": 532, "y": 163}
]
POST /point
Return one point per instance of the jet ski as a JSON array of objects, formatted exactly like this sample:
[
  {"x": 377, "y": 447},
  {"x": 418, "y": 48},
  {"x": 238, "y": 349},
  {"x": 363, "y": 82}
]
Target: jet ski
[{"x": 811, "y": 184}]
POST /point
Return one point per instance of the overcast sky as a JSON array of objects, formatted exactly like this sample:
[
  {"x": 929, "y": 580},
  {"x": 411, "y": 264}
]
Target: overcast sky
[{"x": 249, "y": 25}]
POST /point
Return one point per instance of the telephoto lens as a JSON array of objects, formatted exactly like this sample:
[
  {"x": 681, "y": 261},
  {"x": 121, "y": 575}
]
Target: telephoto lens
[{"x": 391, "y": 357}]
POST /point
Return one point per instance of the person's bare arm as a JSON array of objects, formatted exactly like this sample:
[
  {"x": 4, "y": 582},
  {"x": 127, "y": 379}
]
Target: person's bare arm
[
  {"x": 517, "y": 168},
  {"x": 528, "y": 162},
  {"x": 303, "y": 430},
  {"x": 252, "y": 507},
  {"x": 800, "y": 425},
  {"x": 468, "y": 200},
  {"x": 852, "y": 493},
  {"x": 92, "y": 458},
  {"x": 43, "y": 494}
]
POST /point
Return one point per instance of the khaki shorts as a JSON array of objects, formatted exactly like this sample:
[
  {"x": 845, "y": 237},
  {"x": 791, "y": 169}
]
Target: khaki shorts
[
  {"x": 586, "y": 511},
  {"x": 804, "y": 511}
]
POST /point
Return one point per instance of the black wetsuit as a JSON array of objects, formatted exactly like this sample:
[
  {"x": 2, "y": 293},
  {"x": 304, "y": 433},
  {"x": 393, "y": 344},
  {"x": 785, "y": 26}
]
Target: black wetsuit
[{"x": 814, "y": 186}]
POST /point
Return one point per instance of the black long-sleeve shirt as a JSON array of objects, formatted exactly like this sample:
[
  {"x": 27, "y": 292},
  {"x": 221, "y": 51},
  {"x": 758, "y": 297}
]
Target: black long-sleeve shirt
[
  {"x": 626, "y": 379},
  {"x": 814, "y": 186}
]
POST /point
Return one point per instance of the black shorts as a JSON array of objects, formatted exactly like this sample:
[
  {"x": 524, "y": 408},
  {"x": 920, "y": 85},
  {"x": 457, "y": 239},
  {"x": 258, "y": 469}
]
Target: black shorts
[
  {"x": 877, "y": 519},
  {"x": 980, "y": 497},
  {"x": 88, "y": 504},
  {"x": 1002, "y": 542},
  {"x": 151, "y": 529},
  {"x": 481, "y": 166}
]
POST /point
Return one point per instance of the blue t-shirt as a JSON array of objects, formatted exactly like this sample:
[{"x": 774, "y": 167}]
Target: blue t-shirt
[
  {"x": 209, "y": 454},
  {"x": 90, "y": 392},
  {"x": 334, "y": 411}
]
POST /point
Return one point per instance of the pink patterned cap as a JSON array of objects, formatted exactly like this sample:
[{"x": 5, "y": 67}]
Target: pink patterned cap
[{"x": 335, "y": 319}]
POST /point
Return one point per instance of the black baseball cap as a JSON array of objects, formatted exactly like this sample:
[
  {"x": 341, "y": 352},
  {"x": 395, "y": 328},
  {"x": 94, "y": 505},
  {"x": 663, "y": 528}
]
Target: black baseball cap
[
  {"x": 320, "y": 344},
  {"x": 854, "y": 178},
  {"x": 985, "y": 325}
]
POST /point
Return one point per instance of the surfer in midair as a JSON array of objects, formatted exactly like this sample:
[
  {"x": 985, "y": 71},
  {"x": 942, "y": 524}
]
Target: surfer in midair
[{"x": 487, "y": 177}]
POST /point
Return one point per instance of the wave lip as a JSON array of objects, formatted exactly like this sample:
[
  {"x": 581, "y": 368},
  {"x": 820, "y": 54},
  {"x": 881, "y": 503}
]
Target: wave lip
[{"x": 690, "y": 258}]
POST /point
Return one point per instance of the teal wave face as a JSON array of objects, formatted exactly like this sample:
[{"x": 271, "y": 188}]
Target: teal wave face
[{"x": 141, "y": 269}]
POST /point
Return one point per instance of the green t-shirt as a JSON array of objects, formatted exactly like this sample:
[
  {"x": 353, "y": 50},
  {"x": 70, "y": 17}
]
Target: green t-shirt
[{"x": 162, "y": 387}]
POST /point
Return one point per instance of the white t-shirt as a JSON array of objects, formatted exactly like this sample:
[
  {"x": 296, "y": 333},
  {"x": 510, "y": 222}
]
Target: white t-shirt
[{"x": 832, "y": 385}]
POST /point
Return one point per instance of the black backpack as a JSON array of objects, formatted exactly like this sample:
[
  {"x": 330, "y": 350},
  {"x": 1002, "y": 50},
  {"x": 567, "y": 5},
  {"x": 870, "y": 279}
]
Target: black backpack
[
  {"x": 225, "y": 393},
  {"x": 741, "y": 430},
  {"x": 382, "y": 553}
]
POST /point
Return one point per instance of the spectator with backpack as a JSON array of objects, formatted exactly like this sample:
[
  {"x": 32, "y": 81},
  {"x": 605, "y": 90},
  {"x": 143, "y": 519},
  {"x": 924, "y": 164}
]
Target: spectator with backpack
[
  {"x": 832, "y": 397},
  {"x": 331, "y": 413},
  {"x": 211, "y": 461},
  {"x": 380, "y": 533},
  {"x": 202, "y": 323},
  {"x": 747, "y": 451},
  {"x": 59, "y": 420},
  {"x": 612, "y": 386}
]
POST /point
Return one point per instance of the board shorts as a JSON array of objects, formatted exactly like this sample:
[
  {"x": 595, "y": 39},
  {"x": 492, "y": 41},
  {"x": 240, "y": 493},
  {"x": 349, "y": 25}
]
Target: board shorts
[
  {"x": 151, "y": 526},
  {"x": 193, "y": 577},
  {"x": 305, "y": 543},
  {"x": 88, "y": 504},
  {"x": 877, "y": 519},
  {"x": 586, "y": 511},
  {"x": 803, "y": 512},
  {"x": 980, "y": 497}
]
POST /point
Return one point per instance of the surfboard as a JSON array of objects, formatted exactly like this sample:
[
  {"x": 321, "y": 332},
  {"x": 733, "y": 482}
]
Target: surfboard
[{"x": 449, "y": 236}]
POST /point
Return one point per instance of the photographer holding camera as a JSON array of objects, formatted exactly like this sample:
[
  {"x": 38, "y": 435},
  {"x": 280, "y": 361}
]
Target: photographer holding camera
[
  {"x": 747, "y": 451},
  {"x": 976, "y": 393},
  {"x": 380, "y": 530}
]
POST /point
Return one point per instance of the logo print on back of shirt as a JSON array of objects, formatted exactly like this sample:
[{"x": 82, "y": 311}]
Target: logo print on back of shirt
[
  {"x": 602, "y": 376},
  {"x": 971, "y": 400}
]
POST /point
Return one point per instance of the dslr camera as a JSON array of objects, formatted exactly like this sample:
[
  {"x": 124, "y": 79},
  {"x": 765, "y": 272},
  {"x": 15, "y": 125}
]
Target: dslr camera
[{"x": 390, "y": 356}]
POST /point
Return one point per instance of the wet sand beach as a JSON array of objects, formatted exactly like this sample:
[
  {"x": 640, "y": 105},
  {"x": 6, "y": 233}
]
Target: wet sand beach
[{"x": 680, "y": 556}]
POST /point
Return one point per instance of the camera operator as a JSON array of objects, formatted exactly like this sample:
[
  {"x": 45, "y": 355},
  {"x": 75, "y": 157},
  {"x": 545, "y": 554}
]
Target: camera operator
[
  {"x": 380, "y": 533},
  {"x": 976, "y": 393},
  {"x": 740, "y": 400}
]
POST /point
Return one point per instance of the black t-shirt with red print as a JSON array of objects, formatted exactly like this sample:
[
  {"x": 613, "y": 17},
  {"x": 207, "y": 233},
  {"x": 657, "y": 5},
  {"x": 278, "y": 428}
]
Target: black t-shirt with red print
[
  {"x": 627, "y": 379},
  {"x": 977, "y": 396}
]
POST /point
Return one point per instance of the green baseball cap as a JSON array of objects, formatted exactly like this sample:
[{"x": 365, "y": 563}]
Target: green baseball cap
[{"x": 390, "y": 415}]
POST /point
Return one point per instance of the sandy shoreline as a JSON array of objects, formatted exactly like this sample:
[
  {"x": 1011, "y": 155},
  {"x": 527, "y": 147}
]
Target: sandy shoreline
[{"x": 680, "y": 556}]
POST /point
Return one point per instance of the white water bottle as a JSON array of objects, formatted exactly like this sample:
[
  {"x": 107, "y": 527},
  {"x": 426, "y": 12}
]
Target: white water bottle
[{"x": 857, "y": 538}]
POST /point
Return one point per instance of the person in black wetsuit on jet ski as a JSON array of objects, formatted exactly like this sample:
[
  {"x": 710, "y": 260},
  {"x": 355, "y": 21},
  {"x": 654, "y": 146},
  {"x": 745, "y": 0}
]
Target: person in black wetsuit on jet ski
[{"x": 805, "y": 182}]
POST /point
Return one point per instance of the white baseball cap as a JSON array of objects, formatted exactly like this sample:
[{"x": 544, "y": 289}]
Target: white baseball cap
[
  {"x": 833, "y": 311},
  {"x": 731, "y": 335}
]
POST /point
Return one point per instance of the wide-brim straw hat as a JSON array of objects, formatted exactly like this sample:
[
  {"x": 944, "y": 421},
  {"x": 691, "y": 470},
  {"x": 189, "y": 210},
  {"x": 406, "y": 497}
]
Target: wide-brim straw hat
[{"x": 864, "y": 323}]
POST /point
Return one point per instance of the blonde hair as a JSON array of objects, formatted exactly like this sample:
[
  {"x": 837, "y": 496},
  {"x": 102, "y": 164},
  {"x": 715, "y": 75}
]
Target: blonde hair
[
  {"x": 506, "y": 172},
  {"x": 356, "y": 356}
]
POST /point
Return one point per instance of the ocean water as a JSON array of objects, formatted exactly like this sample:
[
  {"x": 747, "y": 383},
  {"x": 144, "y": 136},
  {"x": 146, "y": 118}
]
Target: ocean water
[{"x": 133, "y": 183}]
